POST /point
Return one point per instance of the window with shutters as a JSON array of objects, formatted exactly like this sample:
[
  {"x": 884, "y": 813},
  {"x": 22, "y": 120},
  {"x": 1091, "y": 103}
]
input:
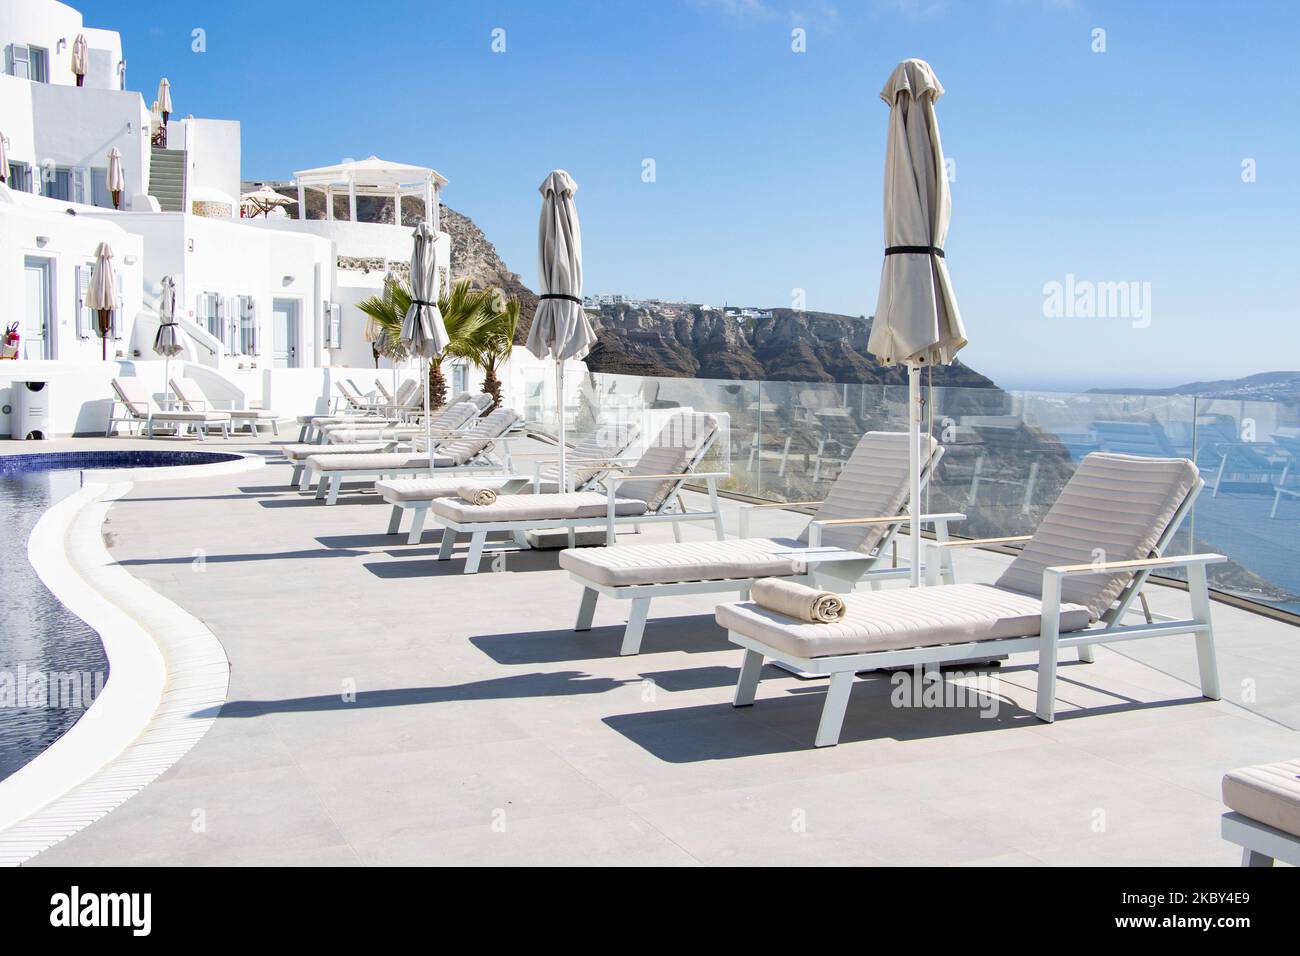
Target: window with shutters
[
  {"x": 20, "y": 177},
  {"x": 212, "y": 315},
  {"x": 85, "y": 317},
  {"x": 333, "y": 325},
  {"x": 99, "y": 194},
  {"x": 18, "y": 61},
  {"x": 118, "y": 323},
  {"x": 247, "y": 325},
  {"x": 56, "y": 183}
]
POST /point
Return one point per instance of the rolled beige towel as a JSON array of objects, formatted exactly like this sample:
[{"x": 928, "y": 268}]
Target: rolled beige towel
[
  {"x": 798, "y": 601},
  {"x": 477, "y": 494}
]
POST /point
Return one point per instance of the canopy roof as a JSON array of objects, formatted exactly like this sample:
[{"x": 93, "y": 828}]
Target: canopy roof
[{"x": 372, "y": 174}]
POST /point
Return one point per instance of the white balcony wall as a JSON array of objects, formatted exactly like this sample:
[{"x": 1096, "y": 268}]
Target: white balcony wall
[
  {"x": 212, "y": 149},
  {"x": 77, "y": 127},
  {"x": 230, "y": 259},
  {"x": 33, "y": 227}
]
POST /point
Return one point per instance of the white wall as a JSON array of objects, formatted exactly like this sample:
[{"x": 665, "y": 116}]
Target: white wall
[
  {"x": 32, "y": 226},
  {"x": 227, "y": 257},
  {"x": 41, "y": 23},
  {"x": 213, "y": 148},
  {"x": 77, "y": 127}
]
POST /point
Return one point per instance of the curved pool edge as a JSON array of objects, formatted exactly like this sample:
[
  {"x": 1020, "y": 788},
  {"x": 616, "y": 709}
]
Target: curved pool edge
[{"x": 169, "y": 674}]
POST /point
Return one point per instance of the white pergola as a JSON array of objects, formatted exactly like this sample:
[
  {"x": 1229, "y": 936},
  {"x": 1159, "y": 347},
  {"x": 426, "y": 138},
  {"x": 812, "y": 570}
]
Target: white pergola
[{"x": 372, "y": 177}]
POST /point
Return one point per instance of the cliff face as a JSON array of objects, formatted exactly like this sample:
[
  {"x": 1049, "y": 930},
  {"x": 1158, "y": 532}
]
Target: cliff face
[
  {"x": 673, "y": 339},
  {"x": 667, "y": 339}
]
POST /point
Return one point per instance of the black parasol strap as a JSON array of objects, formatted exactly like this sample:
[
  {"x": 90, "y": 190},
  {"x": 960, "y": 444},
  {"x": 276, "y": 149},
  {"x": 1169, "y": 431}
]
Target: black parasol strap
[
  {"x": 557, "y": 295},
  {"x": 914, "y": 250}
]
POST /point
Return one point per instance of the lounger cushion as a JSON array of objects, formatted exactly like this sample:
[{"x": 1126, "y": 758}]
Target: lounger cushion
[
  {"x": 367, "y": 436},
  {"x": 872, "y": 483},
  {"x": 210, "y": 417},
  {"x": 902, "y": 617},
  {"x": 577, "y": 504},
  {"x": 260, "y": 414},
  {"x": 368, "y": 463},
  {"x": 1269, "y": 793},
  {"x": 297, "y": 452},
  {"x": 630, "y": 564},
  {"x": 1115, "y": 507},
  {"x": 341, "y": 419},
  {"x": 426, "y": 489}
]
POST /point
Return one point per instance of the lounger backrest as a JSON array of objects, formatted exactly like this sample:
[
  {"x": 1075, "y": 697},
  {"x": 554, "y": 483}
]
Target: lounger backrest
[
  {"x": 408, "y": 394},
  {"x": 873, "y": 483},
  {"x": 188, "y": 391},
  {"x": 349, "y": 391},
  {"x": 1114, "y": 508},
  {"x": 461, "y": 397},
  {"x": 453, "y": 416},
  {"x": 681, "y": 444},
  {"x": 482, "y": 400},
  {"x": 605, "y": 442},
  {"x": 135, "y": 397},
  {"x": 481, "y": 433},
  {"x": 383, "y": 390}
]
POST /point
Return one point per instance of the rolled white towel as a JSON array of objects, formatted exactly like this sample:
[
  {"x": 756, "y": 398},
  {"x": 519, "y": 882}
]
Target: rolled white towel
[
  {"x": 798, "y": 601},
  {"x": 477, "y": 494}
]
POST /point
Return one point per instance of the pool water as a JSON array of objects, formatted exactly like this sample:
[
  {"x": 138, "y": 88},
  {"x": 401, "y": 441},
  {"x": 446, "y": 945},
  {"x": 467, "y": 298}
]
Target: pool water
[{"x": 52, "y": 665}]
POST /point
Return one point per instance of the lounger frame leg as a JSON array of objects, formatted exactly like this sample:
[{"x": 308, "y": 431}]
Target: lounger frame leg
[
  {"x": 837, "y": 702},
  {"x": 586, "y": 609},
  {"x": 336, "y": 482},
  {"x": 635, "y": 630},
  {"x": 395, "y": 520},
  {"x": 295, "y": 480},
  {"x": 747, "y": 686},
  {"x": 1199, "y": 591},
  {"x": 1251, "y": 857},
  {"x": 476, "y": 542},
  {"x": 1048, "y": 634},
  {"x": 417, "y": 524},
  {"x": 447, "y": 545}
]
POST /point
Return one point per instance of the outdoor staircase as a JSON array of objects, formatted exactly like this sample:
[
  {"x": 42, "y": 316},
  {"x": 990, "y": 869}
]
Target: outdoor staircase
[{"x": 167, "y": 178}]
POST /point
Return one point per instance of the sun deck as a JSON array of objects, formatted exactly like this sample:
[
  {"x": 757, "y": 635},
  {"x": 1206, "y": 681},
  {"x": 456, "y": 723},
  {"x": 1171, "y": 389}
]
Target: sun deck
[{"x": 484, "y": 730}]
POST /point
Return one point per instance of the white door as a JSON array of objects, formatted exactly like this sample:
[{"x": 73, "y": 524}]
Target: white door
[
  {"x": 284, "y": 333},
  {"x": 37, "y": 339}
]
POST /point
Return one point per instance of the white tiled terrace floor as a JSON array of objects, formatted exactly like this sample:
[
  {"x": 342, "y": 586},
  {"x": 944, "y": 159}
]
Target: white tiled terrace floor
[{"x": 485, "y": 730}]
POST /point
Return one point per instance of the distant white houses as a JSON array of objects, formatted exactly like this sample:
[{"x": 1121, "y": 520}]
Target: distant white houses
[{"x": 257, "y": 297}]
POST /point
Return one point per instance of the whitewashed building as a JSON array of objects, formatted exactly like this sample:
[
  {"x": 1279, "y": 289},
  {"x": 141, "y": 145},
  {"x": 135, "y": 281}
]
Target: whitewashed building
[{"x": 268, "y": 304}]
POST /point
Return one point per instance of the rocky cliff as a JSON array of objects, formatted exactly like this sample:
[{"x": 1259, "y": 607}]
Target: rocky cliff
[
  {"x": 688, "y": 340},
  {"x": 673, "y": 339}
]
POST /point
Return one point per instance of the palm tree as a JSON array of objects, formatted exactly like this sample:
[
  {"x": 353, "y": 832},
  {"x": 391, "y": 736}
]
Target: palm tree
[
  {"x": 490, "y": 345},
  {"x": 464, "y": 312}
]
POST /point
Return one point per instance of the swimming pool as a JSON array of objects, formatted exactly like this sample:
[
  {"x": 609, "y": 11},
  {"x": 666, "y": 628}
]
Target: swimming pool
[{"x": 52, "y": 665}]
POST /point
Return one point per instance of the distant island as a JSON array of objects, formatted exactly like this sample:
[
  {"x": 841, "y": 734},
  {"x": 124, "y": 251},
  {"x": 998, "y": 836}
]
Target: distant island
[{"x": 1260, "y": 387}]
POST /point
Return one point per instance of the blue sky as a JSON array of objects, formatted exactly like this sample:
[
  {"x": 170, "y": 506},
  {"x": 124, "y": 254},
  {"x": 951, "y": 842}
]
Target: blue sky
[{"x": 1117, "y": 166}]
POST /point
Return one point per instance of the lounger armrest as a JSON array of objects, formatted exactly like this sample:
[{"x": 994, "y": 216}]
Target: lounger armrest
[
  {"x": 766, "y": 506},
  {"x": 1139, "y": 564},
  {"x": 982, "y": 542},
  {"x": 816, "y": 528}
]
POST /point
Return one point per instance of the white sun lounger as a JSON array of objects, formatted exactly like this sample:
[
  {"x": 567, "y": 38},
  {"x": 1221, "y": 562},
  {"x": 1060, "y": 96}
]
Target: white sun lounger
[
  {"x": 1264, "y": 812},
  {"x": 844, "y": 543},
  {"x": 592, "y": 458},
  {"x": 400, "y": 409},
  {"x": 140, "y": 409},
  {"x": 1069, "y": 588},
  {"x": 192, "y": 396},
  {"x": 649, "y": 492},
  {"x": 482, "y": 447},
  {"x": 356, "y": 440}
]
